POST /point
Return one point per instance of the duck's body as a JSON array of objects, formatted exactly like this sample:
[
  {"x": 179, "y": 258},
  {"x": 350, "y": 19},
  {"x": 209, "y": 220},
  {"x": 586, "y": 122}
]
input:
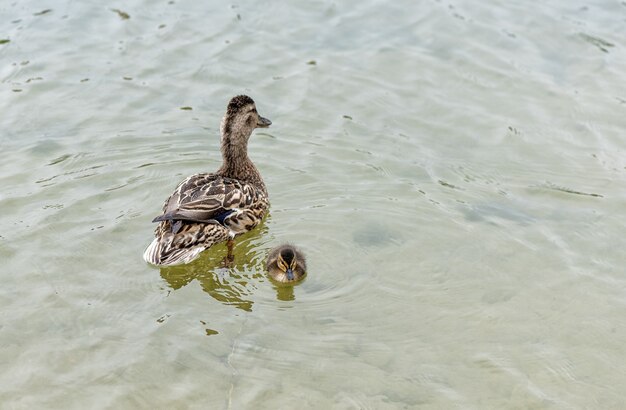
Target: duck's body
[
  {"x": 209, "y": 208},
  {"x": 286, "y": 263}
]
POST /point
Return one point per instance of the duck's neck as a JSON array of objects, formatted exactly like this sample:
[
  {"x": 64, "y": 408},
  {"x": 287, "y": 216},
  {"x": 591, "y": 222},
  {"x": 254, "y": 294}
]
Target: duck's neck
[{"x": 236, "y": 163}]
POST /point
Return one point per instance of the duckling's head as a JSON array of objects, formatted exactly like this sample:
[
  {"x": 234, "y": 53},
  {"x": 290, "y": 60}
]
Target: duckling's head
[
  {"x": 241, "y": 119},
  {"x": 286, "y": 264}
]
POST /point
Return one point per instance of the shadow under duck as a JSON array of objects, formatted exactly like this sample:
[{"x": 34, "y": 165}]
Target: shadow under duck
[
  {"x": 209, "y": 208},
  {"x": 286, "y": 263}
]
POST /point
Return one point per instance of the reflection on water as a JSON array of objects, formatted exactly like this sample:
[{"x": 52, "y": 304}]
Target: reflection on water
[
  {"x": 285, "y": 291},
  {"x": 231, "y": 283}
]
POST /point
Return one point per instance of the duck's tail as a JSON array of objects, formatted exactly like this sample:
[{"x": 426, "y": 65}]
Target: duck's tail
[
  {"x": 184, "y": 245},
  {"x": 161, "y": 253}
]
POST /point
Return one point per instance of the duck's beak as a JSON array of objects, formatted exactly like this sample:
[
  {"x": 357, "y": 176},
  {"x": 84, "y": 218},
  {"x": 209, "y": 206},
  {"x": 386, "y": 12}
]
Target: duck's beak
[
  {"x": 263, "y": 122},
  {"x": 289, "y": 274}
]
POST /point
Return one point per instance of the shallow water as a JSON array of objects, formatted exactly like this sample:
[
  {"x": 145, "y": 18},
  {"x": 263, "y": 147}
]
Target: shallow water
[{"x": 455, "y": 173}]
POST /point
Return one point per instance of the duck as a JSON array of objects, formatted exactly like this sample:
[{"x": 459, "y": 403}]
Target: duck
[
  {"x": 210, "y": 208},
  {"x": 286, "y": 264}
]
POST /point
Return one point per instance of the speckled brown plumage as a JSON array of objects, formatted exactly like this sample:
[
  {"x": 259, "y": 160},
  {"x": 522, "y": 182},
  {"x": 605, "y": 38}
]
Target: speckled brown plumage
[{"x": 209, "y": 208}]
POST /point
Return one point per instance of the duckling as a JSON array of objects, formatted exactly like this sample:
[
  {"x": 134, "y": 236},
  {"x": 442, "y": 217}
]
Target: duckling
[
  {"x": 286, "y": 263},
  {"x": 210, "y": 208}
]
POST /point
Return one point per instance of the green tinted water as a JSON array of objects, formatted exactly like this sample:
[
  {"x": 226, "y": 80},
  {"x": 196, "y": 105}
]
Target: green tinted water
[{"x": 454, "y": 172}]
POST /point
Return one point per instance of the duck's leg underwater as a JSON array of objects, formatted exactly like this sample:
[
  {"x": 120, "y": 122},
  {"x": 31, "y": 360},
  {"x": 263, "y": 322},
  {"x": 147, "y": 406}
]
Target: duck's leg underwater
[
  {"x": 230, "y": 257},
  {"x": 230, "y": 244}
]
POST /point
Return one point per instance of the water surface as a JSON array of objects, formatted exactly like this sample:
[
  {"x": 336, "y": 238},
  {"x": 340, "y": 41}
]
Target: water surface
[{"x": 454, "y": 172}]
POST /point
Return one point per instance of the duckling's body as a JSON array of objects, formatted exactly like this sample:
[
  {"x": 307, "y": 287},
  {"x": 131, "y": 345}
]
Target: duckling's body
[
  {"x": 209, "y": 208},
  {"x": 286, "y": 263}
]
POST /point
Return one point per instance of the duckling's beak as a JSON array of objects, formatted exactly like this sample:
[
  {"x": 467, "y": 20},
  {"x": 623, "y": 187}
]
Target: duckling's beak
[
  {"x": 289, "y": 273},
  {"x": 263, "y": 122}
]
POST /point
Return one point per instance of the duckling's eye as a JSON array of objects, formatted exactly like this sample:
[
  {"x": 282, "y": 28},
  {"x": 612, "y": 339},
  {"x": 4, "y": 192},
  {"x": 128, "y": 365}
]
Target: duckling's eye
[{"x": 293, "y": 264}]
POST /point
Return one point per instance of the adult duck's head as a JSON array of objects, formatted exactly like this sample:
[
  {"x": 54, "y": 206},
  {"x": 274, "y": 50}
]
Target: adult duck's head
[
  {"x": 286, "y": 264},
  {"x": 241, "y": 119}
]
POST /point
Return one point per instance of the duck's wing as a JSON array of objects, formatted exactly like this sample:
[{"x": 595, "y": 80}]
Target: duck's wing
[{"x": 209, "y": 197}]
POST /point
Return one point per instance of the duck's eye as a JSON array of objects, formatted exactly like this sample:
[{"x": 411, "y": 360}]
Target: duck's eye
[{"x": 293, "y": 264}]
